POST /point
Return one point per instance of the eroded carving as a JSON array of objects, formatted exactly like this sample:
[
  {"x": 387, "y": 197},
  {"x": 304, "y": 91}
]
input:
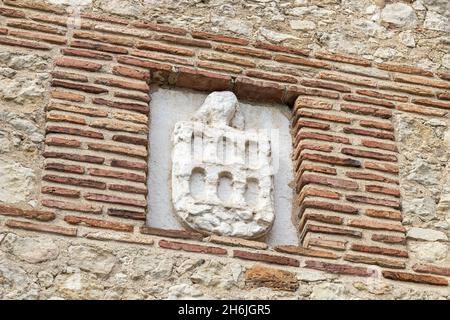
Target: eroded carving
[{"x": 222, "y": 178}]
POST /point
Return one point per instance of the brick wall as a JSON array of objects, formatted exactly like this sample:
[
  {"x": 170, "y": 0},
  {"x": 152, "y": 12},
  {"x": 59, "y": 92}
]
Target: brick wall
[{"x": 348, "y": 207}]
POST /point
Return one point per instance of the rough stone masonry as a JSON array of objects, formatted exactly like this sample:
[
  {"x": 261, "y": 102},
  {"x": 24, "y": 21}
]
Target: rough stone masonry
[{"x": 368, "y": 83}]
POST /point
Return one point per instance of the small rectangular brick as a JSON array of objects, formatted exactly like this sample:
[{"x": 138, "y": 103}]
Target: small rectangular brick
[
  {"x": 375, "y": 261},
  {"x": 416, "y": 278},
  {"x": 69, "y": 76},
  {"x": 62, "y": 142},
  {"x": 131, "y": 73},
  {"x": 159, "y": 27},
  {"x": 52, "y": 19},
  {"x": 369, "y": 154},
  {"x": 315, "y": 168},
  {"x": 98, "y": 47},
  {"x": 335, "y": 207},
  {"x": 75, "y": 181},
  {"x": 368, "y": 111},
  {"x": 383, "y": 190},
  {"x": 115, "y": 199},
  {"x": 379, "y": 145},
  {"x": 141, "y": 166},
  {"x": 332, "y": 230},
  {"x": 338, "y": 268},
  {"x": 57, "y": 117},
  {"x": 126, "y": 214},
  {"x": 327, "y": 181},
  {"x": 325, "y": 85},
  {"x": 314, "y": 146},
  {"x": 328, "y": 244},
  {"x": 113, "y": 236},
  {"x": 197, "y": 248},
  {"x": 144, "y": 109},
  {"x": 407, "y": 89},
  {"x": 137, "y": 97},
  {"x": 369, "y": 224},
  {"x": 323, "y": 218},
  {"x": 39, "y": 37},
  {"x": 281, "y": 48},
  {"x": 354, "y": 98},
  {"x": 237, "y": 242},
  {"x": 165, "y": 48},
  {"x": 420, "y": 110},
  {"x": 177, "y": 234},
  {"x": 76, "y": 109},
  {"x": 63, "y": 192},
  {"x": 380, "y": 95},
  {"x": 347, "y": 79},
  {"x": 132, "y": 117},
  {"x": 310, "y": 124},
  {"x": 40, "y": 215},
  {"x": 142, "y": 87},
  {"x": 258, "y": 90},
  {"x": 348, "y": 162},
  {"x": 74, "y": 131},
  {"x": 41, "y": 6},
  {"x": 377, "y": 125},
  {"x": 3, "y": 31},
  {"x": 219, "y": 38},
  {"x": 133, "y": 152},
  {"x": 203, "y": 80},
  {"x": 131, "y": 140},
  {"x": 404, "y": 69},
  {"x": 116, "y": 174},
  {"x": 293, "y": 91},
  {"x": 302, "y": 61},
  {"x": 342, "y": 58},
  {"x": 62, "y": 205},
  {"x": 153, "y": 66},
  {"x": 73, "y": 157},
  {"x": 64, "y": 168},
  {"x": 444, "y": 95},
  {"x": 259, "y": 276},
  {"x": 78, "y": 64},
  {"x": 370, "y": 177},
  {"x": 384, "y": 167},
  {"x": 128, "y": 189},
  {"x": 184, "y": 41},
  {"x": 115, "y": 125},
  {"x": 96, "y": 223},
  {"x": 429, "y": 268},
  {"x": 48, "y": 228},
  {"x": 321, "y": 116},
  {"x": 385, "y": 214},
  {"x": 23, "y": 43},
  {"x": 389, "y": 239},
  {"x": 266, "y": 258},
  {"x": 121, "y": 41},
  {"x": 226, "y": 58},
  {"x": 315, "y": 192},
  {"x": 379, "y": 202},
  {"x": 79, "y": 87},
  {"x": 303, "y": 102},
  {"x": 270, "y": 76},
  {"x": 12, "y": 13},
  {"x": 322, "y": 136},
  {"x": 432, "y": 103},
  {"x": 370, "y": 133},
  {"x": 243, "y": 51},
  {"x": 422, "y": 81},
  {"x": 86, "y": 54},
  {"x": 380, "y": 250},
  {"x": 219, "y": 67},
  {"x": 302, "y": 251}
]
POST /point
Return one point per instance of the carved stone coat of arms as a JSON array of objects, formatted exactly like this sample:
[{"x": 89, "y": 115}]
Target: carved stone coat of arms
[{"x": 222, "y": 177}]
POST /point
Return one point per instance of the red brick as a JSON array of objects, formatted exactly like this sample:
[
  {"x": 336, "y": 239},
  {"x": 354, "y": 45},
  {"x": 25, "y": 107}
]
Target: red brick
[
  {"x": 79, "y": 87},
  {"x": 12, "y": 13},
  {"x": 444, "y": 95},
  {"x": 68, "y": 96},
  {"x": 64, "y": 192},
  {"x": 379, "y": 202},
  {"x": 379, "y": 95},
  {"x": 144, "y": 109},
  {"x": 202, "y": 80},
  {"x": 331, "y": 160},
  {"x": 98, "y": 47},
  {"x": 370, "y": 177},
  {"x": 369, "y": 154},
  {"x": 159, "y": 27},
  {"x": 52, "y": 19},
  {"x": 323, "y": 218},
  {"x": 243, "y": 51},
  {"x": 177, "y": 234},
  {"x": 353, "y": 98},
  {"x": 339, "y": 268},
  {"x": 310, "y": 124},
  {"x": 270, "y": 76},
  {"x": 385, "y": 214},
  {"x": 368, "y": 111},
  {"x": 138, "y": 97},
  {"x": 321, "y": 116},
  {"x": 379, "y": 145},
  {"x": 128, "y": 189},
  {"x": 116, "y": 174},
  {"x": 218, "y": 67},
  {"x": 266, "y": 258},
  {"x": 75, "y": 181},
  {"x": 431, "y": 103},
  {"x": 316, "y": 168},
  {"x": 74, "y": 157},
  {"x": 279, "y": 48},
  {"x": 38, "y": 36},
  {"x": 322, "y": 193},
  {"x": 74, "y": 131},
  {"x": 417, "y": 278},
  {"x": 69, "y": 76},
  {"x": 96, "y": 223},
  {"x": 322, "y": 137},
  {"x": 76, "y": 109},
  {"x": 333, "y": 230},
  {"x": 325, "y": 85},
  {"x": 329, "y": 244},
  {"x": 61, "y": 142},
  {"x": 380, "y": 250},
  {"x": 40, "y": 215},
  {"x": 48, "y": 228},
  {"x": 132, "y": 152},
  {"x": 370, "y": 224},
  {"x": 57, "y": 117},
  {"x": 294, "y": 91},
  {"x": 404, "y": 69},
  {"x": 408, "y": 89},
  {"x": 143, "y": 87},
  {"x": 323, "y": 205},
  {"x": 104, "y": 18},
  {"x": 126, "y": 214},
  {"x": 302, "y": 251},
  {"x": 219, "y": 38},
  {"x": 383, "y": 190},
  {"x": 382, "y": 262},
  {"x": 302, "y": 61},
  {"x": 3, "y": 31},
  {"x": 429, "y": 268},
  {"x": 420, "y": 110},
  {"x": 327, "y": 181},
  {"x": 22, "y": 43},
  {"x": 121, "y": 41},
  {"x": 116, "y": 200},
  {"x": 162, "y": 57},
  {"x": 141, "y": 166},
  {"x": 62, "y": 205},
  {"x": 259, "y": 276},
  {"x": 41, "y": 6},
  {"x": 422, "y": 81},
  {"x": 86, "y": 54},
  {"x": 377, "y": 125},
  {"x": 131, "y": 140},
  {"x": 184, "y": 41},
  {"x": 52, "y": 166},
  {"x": 384, "y": 167},
  {"x": 151, "y": 46},
  {"x": 226, "y": 58},
  {"x": 314, "y": 146},
  {"x": 342, "y": 58},
  {"x": 191, "y": 247},
  {"x": 389, "y": 239},
  {"x": 347, "y": 79},
  {"x": 247, "y": 88},
  {"x": 303, "y": 102},
  {"x": 154, "y": 66},
  {"x": 131, "y": 73}
]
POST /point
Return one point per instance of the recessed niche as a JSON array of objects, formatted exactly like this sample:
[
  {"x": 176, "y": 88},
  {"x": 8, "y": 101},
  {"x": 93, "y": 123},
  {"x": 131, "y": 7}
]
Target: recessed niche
[{"x": 169, "y": 106}]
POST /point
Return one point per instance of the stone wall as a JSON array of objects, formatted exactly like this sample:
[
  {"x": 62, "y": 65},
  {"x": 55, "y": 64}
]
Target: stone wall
[{"x": 266, "y": 50}]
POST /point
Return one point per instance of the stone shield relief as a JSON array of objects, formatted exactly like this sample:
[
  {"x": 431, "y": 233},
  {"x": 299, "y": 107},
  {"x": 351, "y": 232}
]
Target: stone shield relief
[{"x": 222, "y": 177}]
